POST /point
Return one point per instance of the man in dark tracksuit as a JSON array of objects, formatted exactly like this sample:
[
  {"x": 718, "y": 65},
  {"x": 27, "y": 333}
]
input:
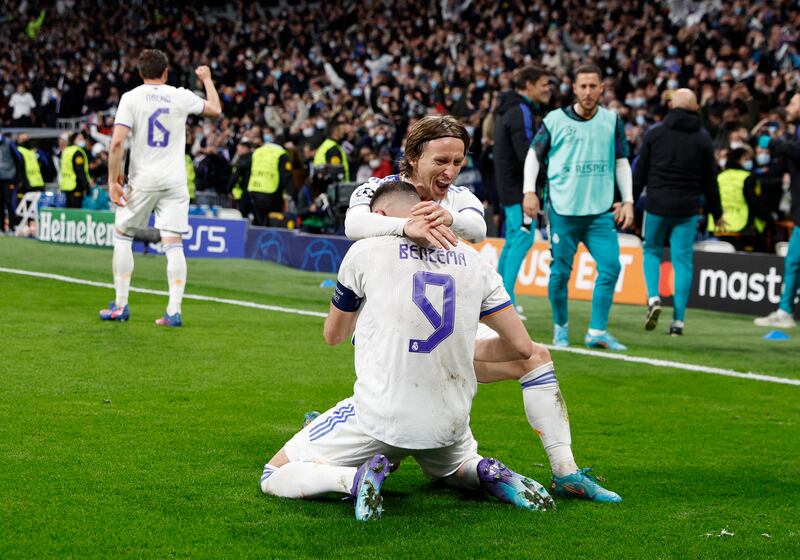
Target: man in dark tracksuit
[
  {"x": 788, "y": 148},
  {"x": 11, "y": 172},
  {"x": 515, "y": 124},
  {"x": 676, "y": 164}
]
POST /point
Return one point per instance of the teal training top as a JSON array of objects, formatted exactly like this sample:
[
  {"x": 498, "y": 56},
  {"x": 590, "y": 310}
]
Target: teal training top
[{"x": 581, "y": 157}]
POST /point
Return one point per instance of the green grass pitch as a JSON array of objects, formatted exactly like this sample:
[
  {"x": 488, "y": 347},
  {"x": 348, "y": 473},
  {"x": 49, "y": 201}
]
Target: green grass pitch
[{"x": 130, "y": 441}]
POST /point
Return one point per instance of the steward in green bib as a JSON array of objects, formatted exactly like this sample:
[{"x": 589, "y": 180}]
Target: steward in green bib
[
  {"x": 190, "y": 175},
  {"x": 331, "y": 152},
  {"x": 270, "y": 177},
  {"x": 737, "y": 192},
  {"x": 586, "y": 152},
  {"x": 75, "y": 179},
  {"x": 33, "y": 180}
]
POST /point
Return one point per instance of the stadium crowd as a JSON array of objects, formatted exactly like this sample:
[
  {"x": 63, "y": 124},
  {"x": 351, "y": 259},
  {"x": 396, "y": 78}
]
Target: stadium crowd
[{"x": 287, "y": 72}]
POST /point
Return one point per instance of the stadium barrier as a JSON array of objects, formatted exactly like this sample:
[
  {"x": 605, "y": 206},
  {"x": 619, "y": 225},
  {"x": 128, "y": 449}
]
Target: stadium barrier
[
  {"x": 207, "y": 237},
  {"x": 306, "y": 251},
  {"x": 748, "y": 283}
]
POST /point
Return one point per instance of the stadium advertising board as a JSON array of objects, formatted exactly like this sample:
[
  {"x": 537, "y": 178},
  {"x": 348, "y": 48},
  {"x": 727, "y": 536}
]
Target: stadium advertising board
[
  {"x": 209, "y": 238},
  {"x": 534, "y": 273},
  {"x": 317, "y": 253},
  {"x": 90, "y": 228},
  {"x": 735, "y": 282}
]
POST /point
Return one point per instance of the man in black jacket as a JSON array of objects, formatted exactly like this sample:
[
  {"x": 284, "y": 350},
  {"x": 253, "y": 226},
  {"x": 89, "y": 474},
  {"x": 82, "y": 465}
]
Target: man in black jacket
[
  {"x": 790, "y": 149},
  {"x": 676, "y": 165},
  {"x": 514, "y": 127}
]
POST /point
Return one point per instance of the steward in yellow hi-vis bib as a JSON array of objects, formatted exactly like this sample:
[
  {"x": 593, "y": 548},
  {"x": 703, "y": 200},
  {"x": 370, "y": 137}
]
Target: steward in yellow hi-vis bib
[{"x": 75, "y": 179}]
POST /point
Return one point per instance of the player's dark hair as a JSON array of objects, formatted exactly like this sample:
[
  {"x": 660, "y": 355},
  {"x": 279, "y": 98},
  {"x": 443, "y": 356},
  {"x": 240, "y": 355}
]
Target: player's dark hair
[
  {"x": 152, "y": 63},
  {"x": 390, "y": 188},
  {"x": 427, "y": 129},
  {"x": 529, "y": 74},
  {"x": 589, "y": 68}
]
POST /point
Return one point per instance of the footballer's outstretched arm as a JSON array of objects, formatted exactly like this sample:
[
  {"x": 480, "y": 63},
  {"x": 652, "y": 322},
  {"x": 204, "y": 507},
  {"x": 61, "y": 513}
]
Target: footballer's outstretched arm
[
  {"x": 339, "y": 325},
  {"x": 513, "y": 342},
  {"x": 213, "y": 107}
]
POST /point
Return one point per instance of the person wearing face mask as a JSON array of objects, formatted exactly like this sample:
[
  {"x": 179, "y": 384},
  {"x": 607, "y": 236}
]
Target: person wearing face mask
[
  {"x": 518, "y": 116},
  {"x": 75, "y": 179},
  {"x": 738, "y": 191},
  {"x": 676, "y": 165},
  {"x": 331, "y": 152}
]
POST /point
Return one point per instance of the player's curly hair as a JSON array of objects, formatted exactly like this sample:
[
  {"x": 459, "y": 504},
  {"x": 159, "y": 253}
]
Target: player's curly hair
[
  {"x": 427, "y": 129},
  {"x": 152, "y": 63}
]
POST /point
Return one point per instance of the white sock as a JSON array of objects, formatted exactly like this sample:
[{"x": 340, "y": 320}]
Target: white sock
[
  {"x": 547, "y": 415},
  {"x": 654, "y": 300},
  {"x": 678, "y": 324},
  {"x": 122, "y": 267},
  {"x": 306, "y": 480},
  {"x": 596, "y": 332},
  {"x": 466, "y": 476},
  {"x": 783, "y": 314},
  {"x": 176, "y": 276}
]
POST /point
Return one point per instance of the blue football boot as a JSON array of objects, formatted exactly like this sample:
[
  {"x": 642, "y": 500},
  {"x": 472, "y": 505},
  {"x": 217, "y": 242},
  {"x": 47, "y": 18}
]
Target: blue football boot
[
  {"x": 366, "y": 490},
  {"x": 582, "y": 485},
  {"x": 114, "y": 313},
  {"x": 561, "y": 336},
  {"x": 512, "y": 488},
  {"x": 170, "y": 320},
  {"x": 605, "y": 341}
]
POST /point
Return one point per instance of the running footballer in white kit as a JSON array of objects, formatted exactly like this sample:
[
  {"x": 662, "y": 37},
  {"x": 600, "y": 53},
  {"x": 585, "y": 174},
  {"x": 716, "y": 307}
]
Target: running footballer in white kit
[
  {"x": 415, "y": 311},
  {"x": 436, "y": 147},
  {"x": 154, "y": 114}
]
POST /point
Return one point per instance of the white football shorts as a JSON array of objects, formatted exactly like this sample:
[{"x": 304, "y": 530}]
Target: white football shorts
[
  {"x": 171, "y": 207},
  {"x": 335, "y": 438}
]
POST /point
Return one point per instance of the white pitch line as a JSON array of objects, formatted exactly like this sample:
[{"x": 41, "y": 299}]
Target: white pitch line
[{"x": 594, "y": 353}]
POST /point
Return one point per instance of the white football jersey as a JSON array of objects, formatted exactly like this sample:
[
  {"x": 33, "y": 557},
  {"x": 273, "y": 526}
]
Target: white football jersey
[
  {"x": 458, "y": 199},
  {"x": 415, "y": 337},
  {"x": 156, "y": 115}
]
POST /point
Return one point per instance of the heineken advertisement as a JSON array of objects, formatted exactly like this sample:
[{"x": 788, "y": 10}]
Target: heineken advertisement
[{"x": 91, "y": 228}]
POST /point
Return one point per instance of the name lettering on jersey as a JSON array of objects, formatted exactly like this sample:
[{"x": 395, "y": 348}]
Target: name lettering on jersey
[
  {"x": 158, "y": 98},
  {"x": 436, "y": 256}
]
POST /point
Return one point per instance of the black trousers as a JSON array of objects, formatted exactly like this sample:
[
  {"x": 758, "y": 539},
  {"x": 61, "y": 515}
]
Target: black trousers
[
  {"x": 8, "y": 202},
  {"x": 74, "y": 199},
  {"x": 263, "y": 204}
]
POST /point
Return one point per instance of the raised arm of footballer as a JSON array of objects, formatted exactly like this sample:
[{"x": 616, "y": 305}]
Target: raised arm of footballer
[{"x": 436, "y": 148}]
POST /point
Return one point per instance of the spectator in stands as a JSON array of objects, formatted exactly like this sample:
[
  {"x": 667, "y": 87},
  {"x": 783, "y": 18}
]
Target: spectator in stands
[
  {"x": 311, "y": 206},
  {"x": 782, "y": 146},
  {"x": 518, "y": 116},
  {"x": 385, "y": 165},
  {"x": 11, "y": 170},
  {"x": 75, "y": 178},
  {"x": 676, "y": 165},
  {"x": 22, "y": 103},
  {"x": 213, "y": 168},
  {"x": 240, "y": 177}
]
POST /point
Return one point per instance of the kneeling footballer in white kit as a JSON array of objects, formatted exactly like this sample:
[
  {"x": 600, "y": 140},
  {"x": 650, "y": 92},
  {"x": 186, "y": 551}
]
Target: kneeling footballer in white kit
[
  {"x": 436, "y": 148},
  {"x": 415, "y": 311},
  {"x": 155, "y": 115}
]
